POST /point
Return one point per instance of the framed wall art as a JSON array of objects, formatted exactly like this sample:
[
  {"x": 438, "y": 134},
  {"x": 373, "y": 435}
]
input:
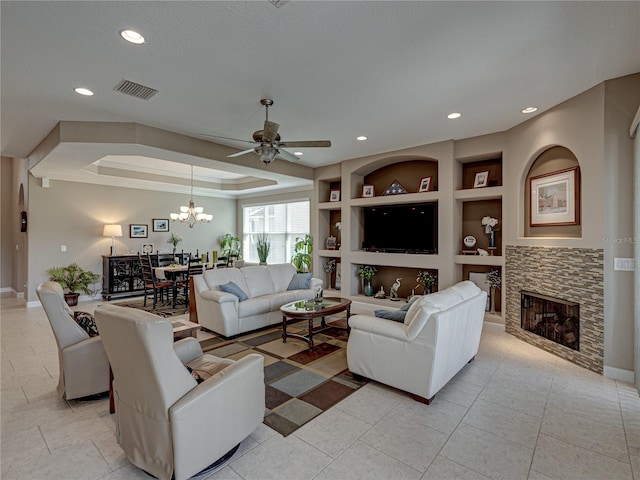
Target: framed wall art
[
  {"x": 424, "y": 184},
  {"x": 481, "y": 179},
  {"x": 147, "y": 248},
  {"x": 138, "y": 231},
  {"x": 334, "y": 196},
  {"x": 368, "y": 191},
  {"x": 555, "y": 198},
  {"x": 160, "y": 224}
]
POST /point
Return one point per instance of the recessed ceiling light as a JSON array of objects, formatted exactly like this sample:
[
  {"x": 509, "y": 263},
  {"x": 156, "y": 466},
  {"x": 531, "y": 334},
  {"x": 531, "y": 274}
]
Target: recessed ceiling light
[
  {"x": 451, "y": 116},
  {"x": 361, "y": 138},
  {"x": 132, "y": 36},
  {"x": 529, "y": 109},
  {"x": 298, "y": 153},
  {"x": 83, "y": 91}
]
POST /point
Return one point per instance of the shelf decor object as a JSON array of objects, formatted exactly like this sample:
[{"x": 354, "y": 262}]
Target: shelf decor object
[
  {"x": 334, "y": 196},
  {"x": 395, "y": 189},
  {"x": 368, "y": 191},
  {"x": 481, "y": 179},
  {"x": 554, "y": 198},
  {"x": 424, "y": 184}
]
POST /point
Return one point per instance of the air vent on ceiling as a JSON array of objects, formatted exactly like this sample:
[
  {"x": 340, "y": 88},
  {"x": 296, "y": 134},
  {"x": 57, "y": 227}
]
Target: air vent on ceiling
[{"x": 135, "y": 89}]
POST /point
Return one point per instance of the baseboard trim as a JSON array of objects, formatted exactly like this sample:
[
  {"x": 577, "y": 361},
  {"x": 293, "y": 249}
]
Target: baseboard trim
[{"x": 620, "y": 374}]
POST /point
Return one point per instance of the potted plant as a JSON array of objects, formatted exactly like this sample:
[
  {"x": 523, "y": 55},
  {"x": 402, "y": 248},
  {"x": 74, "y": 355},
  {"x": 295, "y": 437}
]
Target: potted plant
[
  {"x": 366, "y": 272},
  {"x": 263, "y": 246},
  {"x": 74, "y": 280},
  {"x": 230, "y": 247},
  {"x": 427, "y": 280},
  {"x": 302, "y": 257},
  {"x": 174, "y": 240}
]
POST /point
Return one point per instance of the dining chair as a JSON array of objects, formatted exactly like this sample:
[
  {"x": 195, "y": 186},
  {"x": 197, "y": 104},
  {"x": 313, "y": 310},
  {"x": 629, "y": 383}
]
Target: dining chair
[
  {"x": 164, "y": 259},
  {"x": 182, "y": 285},
  {"x": 153, "y": 286}
]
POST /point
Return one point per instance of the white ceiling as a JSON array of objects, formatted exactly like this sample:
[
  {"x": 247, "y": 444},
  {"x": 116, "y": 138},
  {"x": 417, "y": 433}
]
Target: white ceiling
[{"x": 389, "y": 70}]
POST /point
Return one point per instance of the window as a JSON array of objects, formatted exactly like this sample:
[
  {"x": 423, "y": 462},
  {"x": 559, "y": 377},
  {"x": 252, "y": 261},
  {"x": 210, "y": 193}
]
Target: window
[{"x": 283, "y": 222}]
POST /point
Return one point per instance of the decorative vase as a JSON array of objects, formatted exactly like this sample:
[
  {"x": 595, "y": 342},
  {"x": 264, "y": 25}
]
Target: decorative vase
[
  {"x": 492, "y": 299},
  {"x": 427, "y": 290},
  {"x": 71, "y": 299},
  {"x": 492, "y": 239},
  {"x": 367, "y": 289}
]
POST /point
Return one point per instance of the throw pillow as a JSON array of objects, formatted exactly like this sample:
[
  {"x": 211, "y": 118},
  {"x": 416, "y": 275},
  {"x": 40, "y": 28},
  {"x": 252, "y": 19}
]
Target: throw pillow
[
  {"x": 234, "y": 289},
  {"x": 87, "y": 323},
  {"x": 395, "y": 315},
  {"x": 300, "y": 281}
]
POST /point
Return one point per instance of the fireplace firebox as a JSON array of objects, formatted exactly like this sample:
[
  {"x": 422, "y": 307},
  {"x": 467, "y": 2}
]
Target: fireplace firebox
[{"x": 551, "y": 318}]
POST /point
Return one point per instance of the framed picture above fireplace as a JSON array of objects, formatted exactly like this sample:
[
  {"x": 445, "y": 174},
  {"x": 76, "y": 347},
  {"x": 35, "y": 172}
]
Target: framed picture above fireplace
[{"x": 555, "y": 198}]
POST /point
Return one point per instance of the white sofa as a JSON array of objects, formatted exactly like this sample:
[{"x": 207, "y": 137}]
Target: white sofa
[
  {"x": 439, "y": 336},
  {"x": 266, "y": 288}
]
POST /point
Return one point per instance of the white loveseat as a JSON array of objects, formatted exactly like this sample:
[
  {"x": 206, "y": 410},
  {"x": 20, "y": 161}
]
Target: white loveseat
[
  {"x": 267, "y": 289},
  {"x": 439, "y": 336}
]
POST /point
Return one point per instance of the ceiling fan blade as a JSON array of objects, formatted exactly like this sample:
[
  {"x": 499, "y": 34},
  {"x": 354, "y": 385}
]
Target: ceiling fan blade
[
  {"x": 244, "y": 152},
  {"x": 225, "y": 138},
  {"x": 309, "y": 143},
  {"x": 270, "y": 131},
  {"x": 287, "y": 156}
]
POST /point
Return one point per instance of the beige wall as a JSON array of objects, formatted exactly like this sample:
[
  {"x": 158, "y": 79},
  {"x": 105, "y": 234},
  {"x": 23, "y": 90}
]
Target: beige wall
[
  {"x": 7, "y": 226},
  {"x": 74, "y": 214}
]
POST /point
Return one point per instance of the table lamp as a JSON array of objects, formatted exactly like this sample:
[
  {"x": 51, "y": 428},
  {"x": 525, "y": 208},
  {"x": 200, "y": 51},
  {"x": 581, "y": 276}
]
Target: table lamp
[{"x": 112, "y": 231}]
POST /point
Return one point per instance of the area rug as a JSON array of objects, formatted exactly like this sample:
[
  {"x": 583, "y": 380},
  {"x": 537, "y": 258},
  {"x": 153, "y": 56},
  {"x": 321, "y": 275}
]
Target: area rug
[
  {"x": 300, "y": 384},
  {"x": 161, "y": 309}
]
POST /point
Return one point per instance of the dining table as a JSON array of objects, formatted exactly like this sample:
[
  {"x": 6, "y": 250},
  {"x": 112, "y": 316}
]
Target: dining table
[{"x": 173, "y": 273}]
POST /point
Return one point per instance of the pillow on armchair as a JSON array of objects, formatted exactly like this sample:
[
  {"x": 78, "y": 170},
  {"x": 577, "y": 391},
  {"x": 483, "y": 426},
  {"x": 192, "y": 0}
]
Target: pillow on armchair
[{"x": 87, "y": 323}]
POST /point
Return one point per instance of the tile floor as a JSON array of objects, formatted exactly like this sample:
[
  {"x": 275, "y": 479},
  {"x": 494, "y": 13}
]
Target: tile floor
[{"x": 516, "y": 412}]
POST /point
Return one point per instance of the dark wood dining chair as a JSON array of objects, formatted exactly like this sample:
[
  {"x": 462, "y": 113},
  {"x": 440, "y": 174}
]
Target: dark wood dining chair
[
  {"x": 152, "y": 286},
  {"x": 182, "y": 285}
]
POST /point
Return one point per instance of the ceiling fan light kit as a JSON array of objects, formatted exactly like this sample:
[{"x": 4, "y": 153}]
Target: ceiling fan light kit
[{"x": 268, "y": 141}]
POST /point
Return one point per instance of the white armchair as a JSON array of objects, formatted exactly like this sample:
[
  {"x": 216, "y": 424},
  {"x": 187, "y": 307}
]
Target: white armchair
[
  {"x": 84, "y": 368},
  {"x": 440, "y": 335},
  {"x": 166, "y": 423}
]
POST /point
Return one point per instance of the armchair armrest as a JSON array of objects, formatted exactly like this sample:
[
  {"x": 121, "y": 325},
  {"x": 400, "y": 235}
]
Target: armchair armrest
[
  {"x": 187, "y": 349},
  {"x": 230, "y": 402},
  {"x": 379, "y": 326}
]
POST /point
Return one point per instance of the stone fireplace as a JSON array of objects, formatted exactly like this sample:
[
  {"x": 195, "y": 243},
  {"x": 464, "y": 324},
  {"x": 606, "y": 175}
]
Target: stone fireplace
[{"x": 573, "y": 278}]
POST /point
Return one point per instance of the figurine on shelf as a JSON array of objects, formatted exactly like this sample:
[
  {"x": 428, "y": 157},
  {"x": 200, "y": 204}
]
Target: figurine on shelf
[
  {"x": 393, "y": 292},
  {"x": 381, "y": 293}
]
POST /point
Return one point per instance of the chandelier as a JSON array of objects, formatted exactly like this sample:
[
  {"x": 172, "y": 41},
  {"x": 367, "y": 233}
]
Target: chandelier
[{"x": 191, "y": 214}]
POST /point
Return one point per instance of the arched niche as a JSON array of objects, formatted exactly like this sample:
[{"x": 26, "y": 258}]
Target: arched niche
[
  {"x": 407, "y": 173},
  {"x": 554, "y": 159}
]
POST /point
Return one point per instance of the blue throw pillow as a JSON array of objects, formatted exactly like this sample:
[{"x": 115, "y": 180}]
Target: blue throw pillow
[
  {"x": 395, "y": 315},
  {"x": 233, "y": 288},
  {"x": 300, "y": 281}
]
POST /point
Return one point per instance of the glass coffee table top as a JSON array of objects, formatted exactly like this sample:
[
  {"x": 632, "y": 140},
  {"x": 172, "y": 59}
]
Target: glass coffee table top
[{"x": 309, "y": 310}]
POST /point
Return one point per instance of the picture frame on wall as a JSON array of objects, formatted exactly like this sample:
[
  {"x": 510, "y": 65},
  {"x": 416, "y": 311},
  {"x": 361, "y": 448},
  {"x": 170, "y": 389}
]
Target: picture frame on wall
[
  {"x": 425, "y": 182},
  {"x": 147, "y": 248},
  {"x": 137, "y": 230},
  {"x": 368, "y": 191},
  {"x": 481, "y": 179},
  {"x": 334, "y": 196},
  {"x": 160, "y": 224},
  {"x": 554, "y": 198}
]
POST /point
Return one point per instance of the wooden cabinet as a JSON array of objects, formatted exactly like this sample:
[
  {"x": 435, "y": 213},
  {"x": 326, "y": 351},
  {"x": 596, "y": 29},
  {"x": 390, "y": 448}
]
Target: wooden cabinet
[{"x": 121, "y": 276}]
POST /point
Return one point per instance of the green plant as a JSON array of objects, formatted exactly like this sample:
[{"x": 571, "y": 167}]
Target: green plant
[
  {"x": 302, "y": 257},
  {"x": 330, "y": 266},
  {"x": 230, "y": 246},
  {"x": 73, "y": 278},
  {"x": 263, "y": 246},
  {"x": 426, "y": 279},
  {"x": 367, "y": 271},
  {"x": 174, "y": 240}
]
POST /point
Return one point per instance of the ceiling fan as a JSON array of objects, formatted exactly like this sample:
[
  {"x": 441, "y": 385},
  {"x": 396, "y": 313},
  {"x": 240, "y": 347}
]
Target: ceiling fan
[{"x": 268, "y": 144}]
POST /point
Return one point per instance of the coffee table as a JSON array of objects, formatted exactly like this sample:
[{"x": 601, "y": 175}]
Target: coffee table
[{"x": 309, "y": 310}]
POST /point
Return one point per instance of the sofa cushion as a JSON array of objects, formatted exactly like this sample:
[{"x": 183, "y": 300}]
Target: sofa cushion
[
  {"x": 258, "y": 281},
  {"x": 281, "y": 275},
  {"x": 279, "y": 299},
  {"x": 254, "y": 306},
  {"x": 232, "y": 287},
  {"x": 300, "y": 281}
]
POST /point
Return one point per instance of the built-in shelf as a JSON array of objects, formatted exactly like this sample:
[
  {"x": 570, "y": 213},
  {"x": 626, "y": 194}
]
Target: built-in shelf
[
  {"x": 488, "y": 193},
  {"x": 479, "y": 260},
  {"x": 330, "y": 253},
  {"x": 421, "y": 197},
  {"x": 329, "y": 206}
]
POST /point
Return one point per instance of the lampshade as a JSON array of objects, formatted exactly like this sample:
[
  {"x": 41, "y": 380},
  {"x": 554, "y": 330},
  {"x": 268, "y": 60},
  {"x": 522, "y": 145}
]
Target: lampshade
[{"x": 112, "y": 231}]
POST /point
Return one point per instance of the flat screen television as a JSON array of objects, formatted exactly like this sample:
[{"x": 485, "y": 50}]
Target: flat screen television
[{"x": 401, "y": 228}]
